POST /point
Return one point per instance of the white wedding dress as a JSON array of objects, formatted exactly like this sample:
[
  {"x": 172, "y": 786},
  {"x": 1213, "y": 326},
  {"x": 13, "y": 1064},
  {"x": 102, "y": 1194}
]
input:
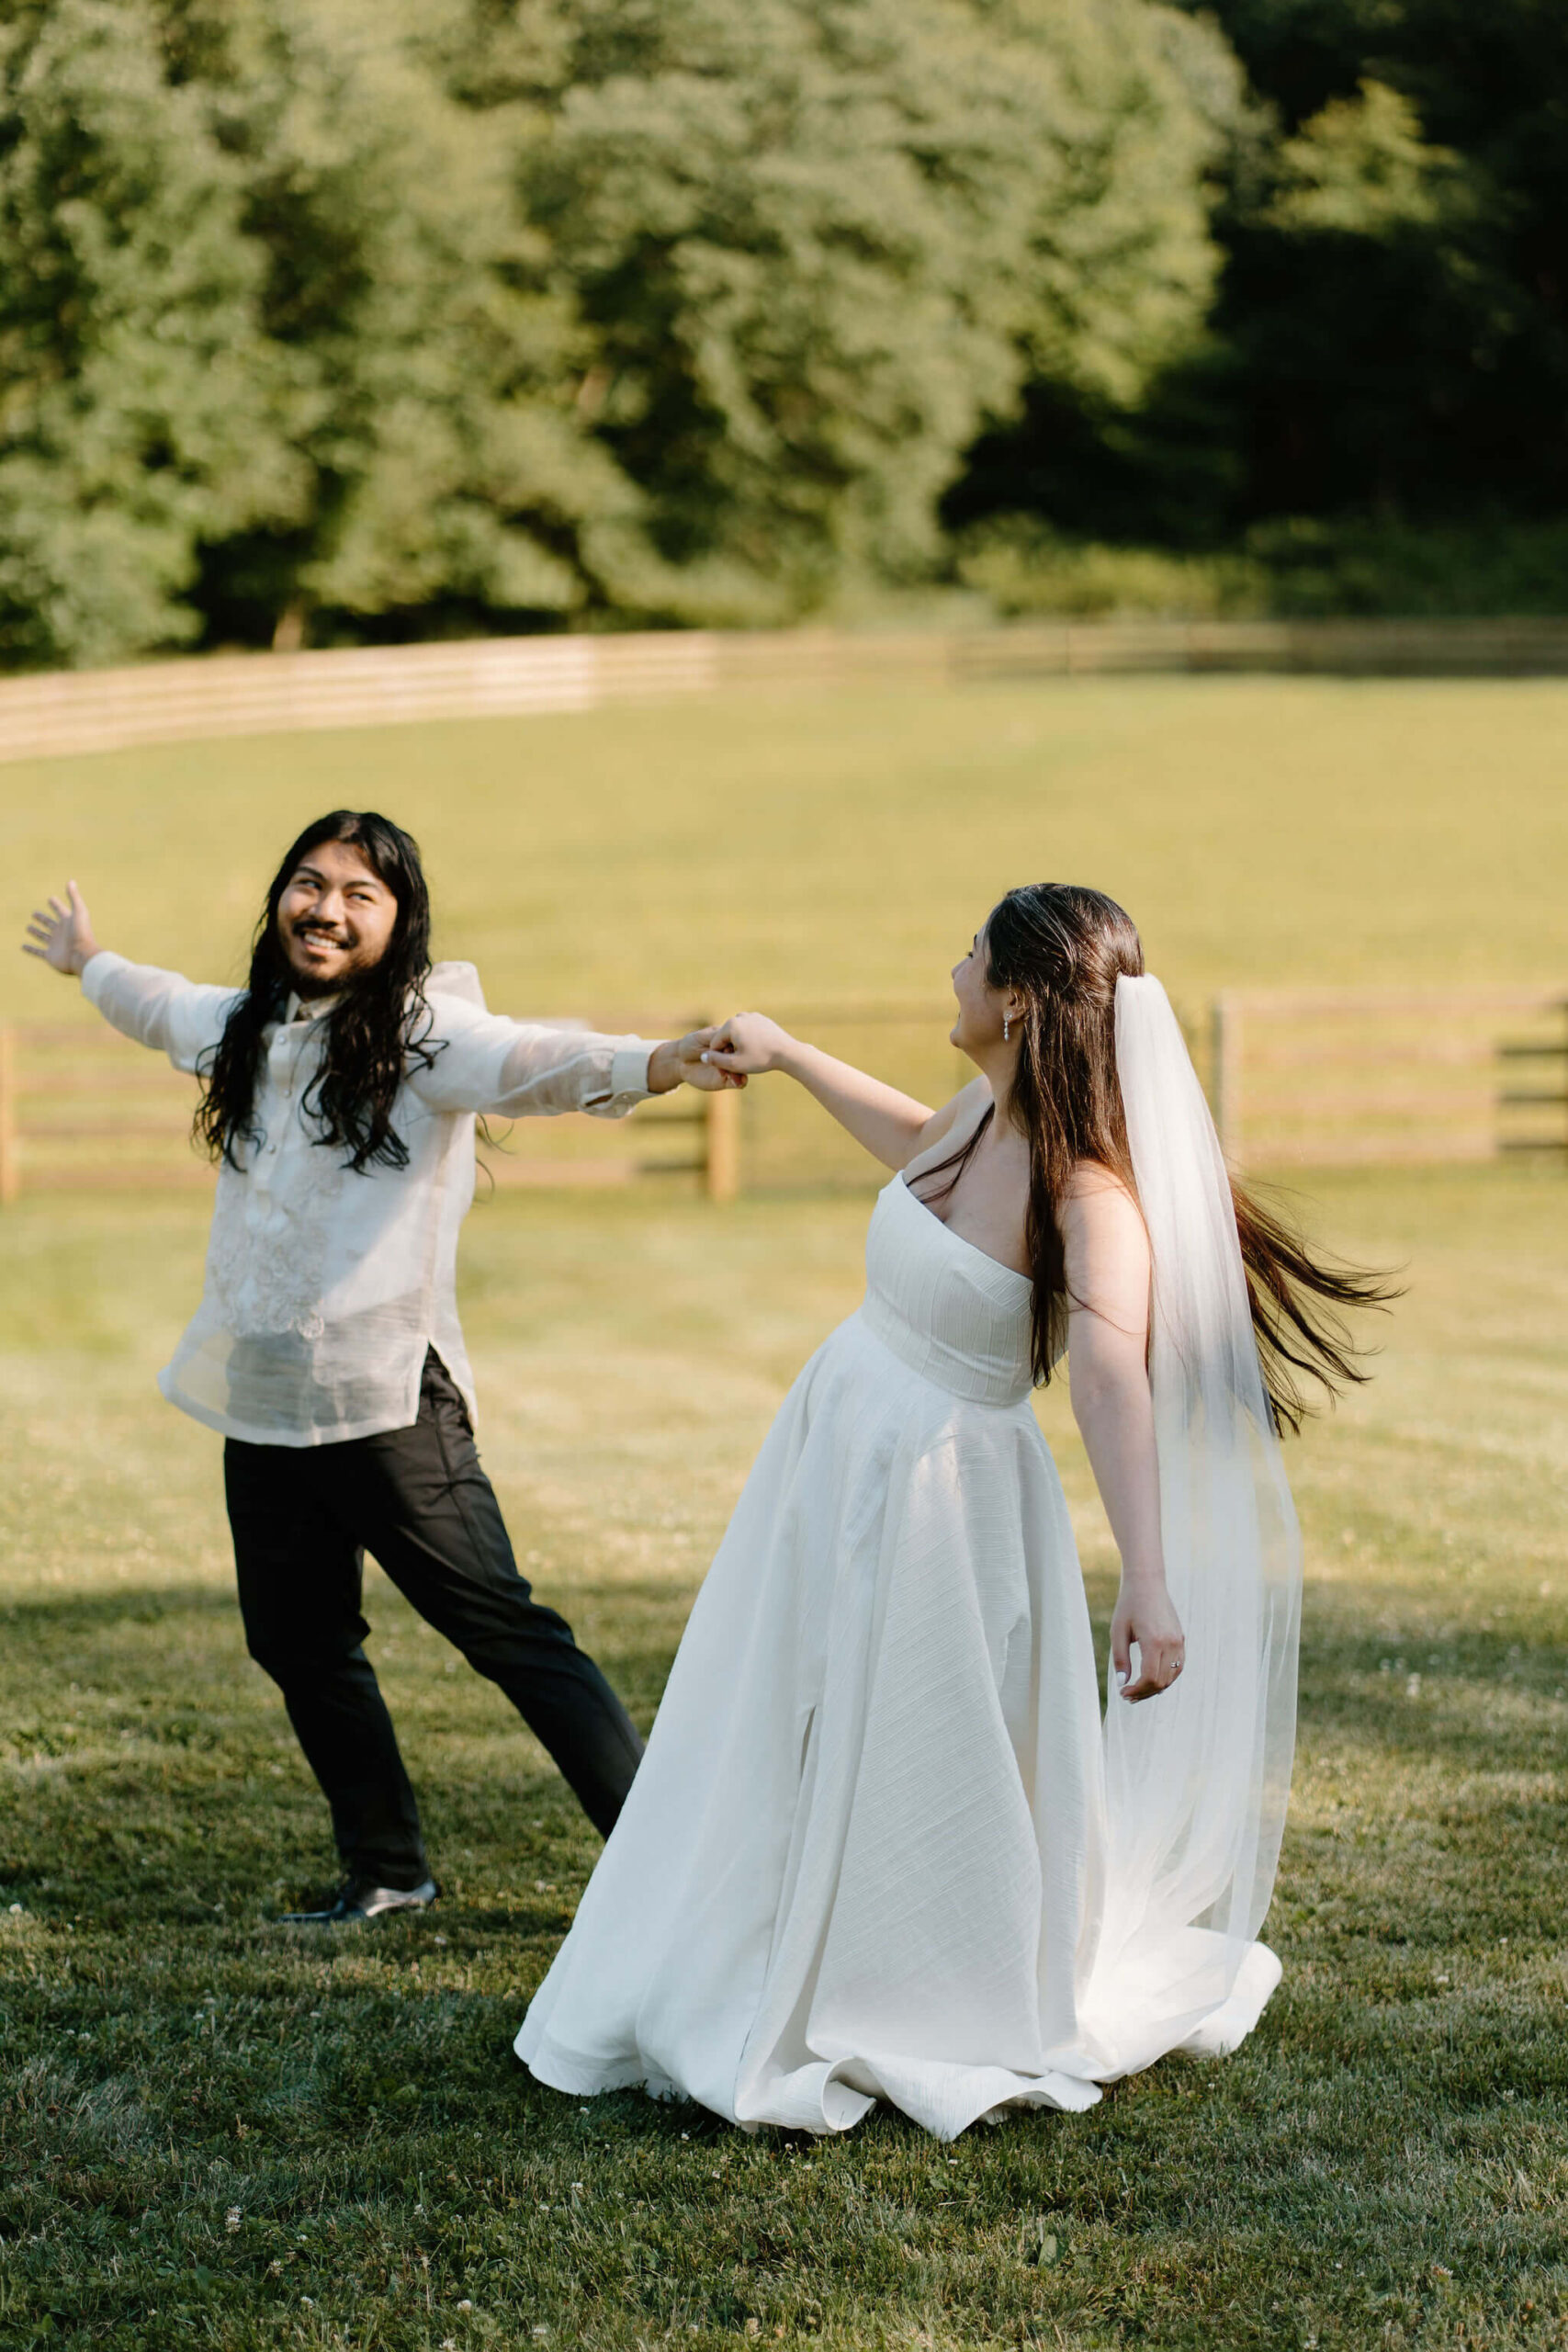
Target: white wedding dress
[{"x": 880, "y": 1846}]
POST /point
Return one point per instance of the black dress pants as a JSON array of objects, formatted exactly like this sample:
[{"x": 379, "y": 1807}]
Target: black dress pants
[{"x": 304, "y": 1517}]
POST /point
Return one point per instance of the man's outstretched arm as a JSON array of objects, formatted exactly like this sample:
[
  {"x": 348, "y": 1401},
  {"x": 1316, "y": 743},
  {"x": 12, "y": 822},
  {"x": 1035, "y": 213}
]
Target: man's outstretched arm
[
  {"x": 515, "y": 1069},
  {"x": 161, "y": 1010}
]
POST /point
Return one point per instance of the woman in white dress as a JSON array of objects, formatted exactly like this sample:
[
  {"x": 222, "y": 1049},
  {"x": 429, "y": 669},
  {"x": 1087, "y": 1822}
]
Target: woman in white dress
[{"x": 882, "y": 1845}]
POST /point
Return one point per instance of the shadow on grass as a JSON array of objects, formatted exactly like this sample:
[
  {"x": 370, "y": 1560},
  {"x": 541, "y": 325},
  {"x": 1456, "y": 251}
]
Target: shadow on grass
[
  {"x": 1481, "y": 1700},
  {"x": 154, "y": 1784},
  {"x": 166, "y": 1645},
  {"x": 151, "y": 1778}
]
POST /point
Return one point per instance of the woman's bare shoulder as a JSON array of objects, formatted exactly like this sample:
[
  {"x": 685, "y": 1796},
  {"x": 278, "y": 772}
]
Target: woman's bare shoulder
[
  {"x": 1092, "y": 1181},
  {"x": 967, "y": 1105}
]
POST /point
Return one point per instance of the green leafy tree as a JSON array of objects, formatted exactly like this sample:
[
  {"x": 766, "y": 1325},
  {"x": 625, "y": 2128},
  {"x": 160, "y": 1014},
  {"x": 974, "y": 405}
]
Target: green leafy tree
[
  {"x": 274, "y": 335},
  {"x": 347, "y": 316},
  {"x": 818, "y": 242},
  {"x": 428, "y": 354},
  {"x": 1370, "y": 299},
  {"x": 136, "y": 388},
  {"x": 1388, "y": 351}
]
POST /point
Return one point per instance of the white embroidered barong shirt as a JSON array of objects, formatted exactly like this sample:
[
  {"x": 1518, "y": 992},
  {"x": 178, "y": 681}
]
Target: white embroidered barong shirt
[{"x": 323, "y": 1288}]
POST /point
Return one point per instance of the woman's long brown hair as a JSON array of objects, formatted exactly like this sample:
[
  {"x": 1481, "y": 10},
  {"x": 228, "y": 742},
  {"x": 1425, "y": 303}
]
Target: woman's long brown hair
[{"x": 1062, "y": 949}]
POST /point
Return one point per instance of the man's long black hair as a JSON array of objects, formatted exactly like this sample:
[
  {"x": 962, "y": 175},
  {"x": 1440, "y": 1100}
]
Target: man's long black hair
[{"x": 378, "y": 1025}]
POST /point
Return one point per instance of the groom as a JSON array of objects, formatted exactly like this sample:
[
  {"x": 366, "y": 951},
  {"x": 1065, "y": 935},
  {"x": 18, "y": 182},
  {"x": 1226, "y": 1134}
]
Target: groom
[{"x": 340, "y": 1088}]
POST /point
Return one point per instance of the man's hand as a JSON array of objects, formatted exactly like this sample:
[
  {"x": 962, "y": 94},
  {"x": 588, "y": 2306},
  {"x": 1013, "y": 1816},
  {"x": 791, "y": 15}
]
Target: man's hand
[
  {"x": 1143, "y": 1614},
  {"x": 63, "y": 938},
  {"x": 749, "y": 1041},
  {"x": 682, "y": 1061}
]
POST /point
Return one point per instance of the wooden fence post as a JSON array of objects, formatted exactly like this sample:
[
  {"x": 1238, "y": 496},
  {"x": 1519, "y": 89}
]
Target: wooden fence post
[
  {"x": 721, "y": 1137},
  {"x": 10, "y": 1160}
]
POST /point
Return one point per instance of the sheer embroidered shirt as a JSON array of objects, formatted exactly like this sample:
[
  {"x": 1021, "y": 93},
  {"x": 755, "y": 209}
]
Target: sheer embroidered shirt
[{"x": 323, "y": 1288}]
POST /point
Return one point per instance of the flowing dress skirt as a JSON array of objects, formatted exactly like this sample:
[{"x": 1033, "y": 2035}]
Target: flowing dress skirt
[{"x": 863, "y": 1857}]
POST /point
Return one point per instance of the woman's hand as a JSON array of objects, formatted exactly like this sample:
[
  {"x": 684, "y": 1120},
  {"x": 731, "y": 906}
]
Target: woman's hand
[
  {"x": 749, "y": 1044},
  {"x": 63, "y": 937},
  {"x": 1143, "y": 1614},
  {"x": 683, "y": 1061}
]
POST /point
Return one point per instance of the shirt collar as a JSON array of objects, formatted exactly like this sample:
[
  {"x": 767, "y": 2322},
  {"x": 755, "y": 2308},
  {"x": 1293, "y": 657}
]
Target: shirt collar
[{"x": 300, "y": 1008}]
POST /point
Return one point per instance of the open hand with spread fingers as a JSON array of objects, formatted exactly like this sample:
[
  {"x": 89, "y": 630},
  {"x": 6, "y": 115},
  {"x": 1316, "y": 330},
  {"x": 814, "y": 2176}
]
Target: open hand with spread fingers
[
  {"x": 1145, "y": 1615},
  {"x": 63, "y": 937}
]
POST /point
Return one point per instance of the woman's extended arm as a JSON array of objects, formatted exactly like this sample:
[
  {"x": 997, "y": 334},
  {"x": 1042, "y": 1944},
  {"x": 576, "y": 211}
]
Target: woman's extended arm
[
  {"x": 891, "y": 1126},
  {"x": 1108, "y": 1307}
]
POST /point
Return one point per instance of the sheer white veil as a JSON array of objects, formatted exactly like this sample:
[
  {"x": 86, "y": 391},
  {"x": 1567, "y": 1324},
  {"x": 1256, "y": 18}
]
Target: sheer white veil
[{"x": 1197, "y": 1780}]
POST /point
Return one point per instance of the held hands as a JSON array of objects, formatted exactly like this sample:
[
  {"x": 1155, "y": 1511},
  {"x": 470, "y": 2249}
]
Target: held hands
[
  {"x": 1143, "y": 1614},
  {"x": 747, "y": 1044},
  {"x": 683, "y": 1061},
  {"x": 63, "y": 938}
]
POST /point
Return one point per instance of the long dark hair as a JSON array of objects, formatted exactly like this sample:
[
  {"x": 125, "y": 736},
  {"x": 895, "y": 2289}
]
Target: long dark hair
[
  {"x": 1062, "y": 949},
  {"x": 380, "y": 1024}
]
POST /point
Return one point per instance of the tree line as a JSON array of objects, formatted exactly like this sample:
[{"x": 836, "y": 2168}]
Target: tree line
[{"x": 326, "y": 320}]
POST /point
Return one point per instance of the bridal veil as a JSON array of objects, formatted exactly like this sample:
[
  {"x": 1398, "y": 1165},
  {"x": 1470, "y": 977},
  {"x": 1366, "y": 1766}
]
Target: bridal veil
[{"x": 1197, "y": 1781}]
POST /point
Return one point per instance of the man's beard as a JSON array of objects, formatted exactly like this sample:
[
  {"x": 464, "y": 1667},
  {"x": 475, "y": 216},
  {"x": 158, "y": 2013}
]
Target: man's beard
[{"x": 309, "y": 983}]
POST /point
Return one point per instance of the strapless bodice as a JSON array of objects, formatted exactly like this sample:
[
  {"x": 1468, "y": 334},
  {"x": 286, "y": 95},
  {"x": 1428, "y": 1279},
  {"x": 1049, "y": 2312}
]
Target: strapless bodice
[{"x": 942, "y": 1306}]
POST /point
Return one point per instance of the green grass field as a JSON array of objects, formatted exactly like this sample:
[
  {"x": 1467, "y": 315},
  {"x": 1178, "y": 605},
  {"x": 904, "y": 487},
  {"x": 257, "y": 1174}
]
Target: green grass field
[
  {"x": 218, "y": 2133},
  {"x": 848, "y": 844}
]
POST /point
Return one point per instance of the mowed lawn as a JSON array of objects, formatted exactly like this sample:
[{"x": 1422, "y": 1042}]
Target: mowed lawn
[
  {"x": 847, "y": 844},
  {"x": 214, "y": 2131}
]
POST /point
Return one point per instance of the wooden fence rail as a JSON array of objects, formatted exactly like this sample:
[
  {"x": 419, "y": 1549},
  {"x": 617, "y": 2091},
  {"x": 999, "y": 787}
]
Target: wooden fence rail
[
  {"x": 1345, "y": 1078},
  {"x": 86, "y": 1110},
  {"x": 1298, "y": 1077},
  {"x": 206, "y": 697}
]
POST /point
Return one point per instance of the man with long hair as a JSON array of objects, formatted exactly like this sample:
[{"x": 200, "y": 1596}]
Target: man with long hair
[{"x": 338, "y": 1091}]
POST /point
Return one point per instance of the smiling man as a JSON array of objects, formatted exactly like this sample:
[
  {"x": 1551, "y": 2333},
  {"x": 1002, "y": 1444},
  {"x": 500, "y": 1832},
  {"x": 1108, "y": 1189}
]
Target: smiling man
[{"x": 340, "y": 1088}]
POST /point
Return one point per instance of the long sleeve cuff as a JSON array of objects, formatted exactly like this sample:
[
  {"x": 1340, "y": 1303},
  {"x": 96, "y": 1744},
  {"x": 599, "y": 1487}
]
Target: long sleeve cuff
[
  {"x": 97, "y": 972},
  {"x": 629, "y": 1070},
  {"x": 627, "y": 1081}
]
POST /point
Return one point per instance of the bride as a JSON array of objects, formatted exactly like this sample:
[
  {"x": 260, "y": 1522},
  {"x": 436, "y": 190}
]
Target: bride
[{"x": 882, "y": 1846}]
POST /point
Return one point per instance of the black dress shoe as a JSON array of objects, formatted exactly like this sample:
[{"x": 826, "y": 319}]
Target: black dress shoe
[{"x": 357, "y": 1900}]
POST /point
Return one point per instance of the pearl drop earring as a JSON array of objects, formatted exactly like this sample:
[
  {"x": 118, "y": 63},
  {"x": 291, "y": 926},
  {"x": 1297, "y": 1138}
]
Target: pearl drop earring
[{"x": 1007, "y": 1026}]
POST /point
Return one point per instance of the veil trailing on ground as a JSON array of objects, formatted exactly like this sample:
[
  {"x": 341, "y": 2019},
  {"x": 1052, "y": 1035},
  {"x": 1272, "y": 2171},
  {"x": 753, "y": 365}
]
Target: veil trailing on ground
[{"x": 1197, "y": 1780}]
